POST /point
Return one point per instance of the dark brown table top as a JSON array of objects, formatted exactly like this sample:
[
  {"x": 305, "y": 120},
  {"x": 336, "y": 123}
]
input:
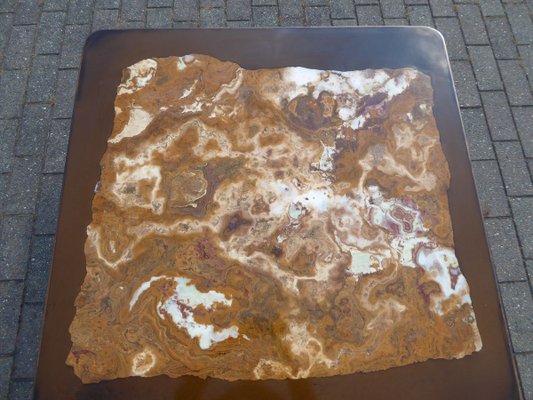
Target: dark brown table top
[{"x": 489, "y": 374}]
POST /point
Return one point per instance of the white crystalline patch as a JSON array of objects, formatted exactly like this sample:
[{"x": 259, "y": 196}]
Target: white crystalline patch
[
  {"x": 140, "y": 75},
  {"x": 438, "y": 262},
  {"x": 126, "y": 184},
  {"x": 187, "y": 297},
  {"x": 144, "y": 286},
  {"x": 187, "y": 294},
  {"x": 303, "y": 343},
  {"x": 143, "y": 362},
  {"x": 192, "y": 108},
  {"x": 346, "y": 113},
  {"x": 365, "y": 263},
  {"x": 137, "y": 123},
  {"x": 365, "y": 83},
  {"x": 326, "y": 159},
  {"x": 358, "y": 122},
  {"x": 334, "y": 83},
  {"x": 395, "y": 86},
  {"x": 181, "y": 64},
  {"x": 301, "y": 76}
]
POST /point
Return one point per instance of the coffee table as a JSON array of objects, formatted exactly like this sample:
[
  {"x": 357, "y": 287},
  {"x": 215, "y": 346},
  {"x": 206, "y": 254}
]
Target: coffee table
[{"x": 489, "y": 374}]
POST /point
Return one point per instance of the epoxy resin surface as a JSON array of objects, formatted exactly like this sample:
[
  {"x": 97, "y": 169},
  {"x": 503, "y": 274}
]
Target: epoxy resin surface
[{"x": 269, "y": 224}]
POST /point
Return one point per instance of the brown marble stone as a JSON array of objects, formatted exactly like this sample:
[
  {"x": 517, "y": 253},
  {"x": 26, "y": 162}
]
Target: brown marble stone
[{"x": 269, "y": 224}]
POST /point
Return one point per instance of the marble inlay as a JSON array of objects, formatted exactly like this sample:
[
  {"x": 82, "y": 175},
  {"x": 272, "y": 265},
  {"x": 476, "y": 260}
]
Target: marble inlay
[{"x": 269, "y": 224}]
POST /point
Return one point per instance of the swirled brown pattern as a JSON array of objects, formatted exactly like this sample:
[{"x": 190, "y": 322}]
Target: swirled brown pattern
[{"x": 269, "y": 224}]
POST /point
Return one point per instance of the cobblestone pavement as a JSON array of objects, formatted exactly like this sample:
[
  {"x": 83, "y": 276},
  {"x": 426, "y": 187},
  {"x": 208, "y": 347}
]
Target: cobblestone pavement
[{"x": 491, "y": 47}]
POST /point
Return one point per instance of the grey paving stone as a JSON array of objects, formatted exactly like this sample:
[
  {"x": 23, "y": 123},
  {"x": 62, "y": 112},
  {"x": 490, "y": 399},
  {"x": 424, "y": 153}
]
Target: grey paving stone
[
  {"x": 73, "y": 42},
  {"x": 465, "y": 84},
  {"x": 420, "y": 15},
  {"x": 39, "y": 268},
  {"x": 523, "y": 117},
  {"x": 450, "y": 29},
  {"x": 80, "y": 12},
  {"x": 212, "y": 3},
  {"x": 160, "y": 3},
  {"x": 111, "y": 4},
  {"x": 8, "y": 135},
  {"x": 344, "y": 22},
  {"x": 48, "y": 204},
  {"x": 520, "y": 20},
  {"x": 55, "y": 5},
  {"x": 105, "y": 19},
  {"x": 4, "y": 182},
  {"x": 317, "y": 16},
  {"x": 5, "y": 374},
  {"x": 485, "y": 68},
  {"x": 525, "y": 368},
  {"x": 133, "y": 10},
  {"x": 315, "y": 2},
  {"x": 20, "y": 47},
  {"x": 442, "y": 8},
  {"x": 212, "y": 17},
  {"x": 491, "y": 8},
  {"x": 259, "y": 2},
  {"x": 6, "y": 20},
  {"x": 10, "y": 302},
  {"x": 34, "y": 129},
  {"x": 526, "y": 54},
  {"x": 290, "y": 9},
  {"x": 185, "y": 10},
  {"x": 265, "y": 16},
  {"x": 27, "y": 12},
  {"x": 518, "y": 305},
  {"x": 501, "y": 37},
  {"x": 239, "y": 24},
  {"x": 514, "y": 169},
  {"x": 477, "y": 134},
  {"x": 498, "y": 116},
  {"x": 365, "y": 2},
  {"x": 50, "y": 34},
  {"x": 472, "y": 24},
  {"x": 43, "y": 78},
  {"x": 516, "y": 84},
  {"x": 21, "y": 390},
  {"x": 368, "y": 15},
  {"x": 410, "y": 2},
  {"x": 490, "y": 190},
  {"x": 523, "y": 218},
  {"x": 56, "y": 148},
  {"x": 396, "y": 21},
  {"x": 185, "y": 24},
  {"x": 67, "y": 81},
  {"x": 392, "y": 8},
  {"x": 12, "y": 87},
  {"x": 342, "y": 9},
  {"x": 238, "y": 10},
  {"x": 23, "y": 186},
  {"x": 505, "y": 250},
  {"x": 159, "y": 18},
  {"x": 8, "y": 5},
  {"x": 529, "y": 269},
  {"x": 28, "y": 340},
  {"x": 131, "y": 25}
]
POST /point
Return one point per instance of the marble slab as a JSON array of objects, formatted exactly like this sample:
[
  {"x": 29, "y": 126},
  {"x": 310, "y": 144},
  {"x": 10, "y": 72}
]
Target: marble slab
[{"x": 269, "y": 224}]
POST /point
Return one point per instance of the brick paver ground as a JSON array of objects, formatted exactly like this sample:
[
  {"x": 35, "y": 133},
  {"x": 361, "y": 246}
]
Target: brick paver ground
[{"x": 490, "y": 43}]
